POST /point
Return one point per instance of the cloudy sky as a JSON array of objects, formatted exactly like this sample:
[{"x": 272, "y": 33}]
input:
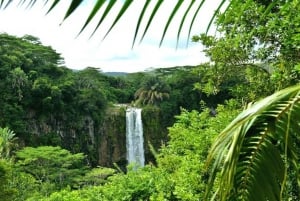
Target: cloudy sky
[{"x": 114, "y": 53}]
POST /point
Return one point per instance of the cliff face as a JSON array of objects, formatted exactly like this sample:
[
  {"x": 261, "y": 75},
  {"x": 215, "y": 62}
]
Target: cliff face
[
  {"x": 103, "y": 142},
  {"x": 77, "y": 134},
  {"x": 112, "y": 137}
]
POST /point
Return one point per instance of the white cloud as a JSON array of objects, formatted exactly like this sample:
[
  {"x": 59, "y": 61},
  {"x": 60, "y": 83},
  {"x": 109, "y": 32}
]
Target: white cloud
[{"x": 114, "y": 53}]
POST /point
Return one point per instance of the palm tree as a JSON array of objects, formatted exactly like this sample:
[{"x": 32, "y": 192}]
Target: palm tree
[
  {"x": 152, "y": 91},
  {"x": 7, "y": 142},
  {"x": 255, "y": 153}
]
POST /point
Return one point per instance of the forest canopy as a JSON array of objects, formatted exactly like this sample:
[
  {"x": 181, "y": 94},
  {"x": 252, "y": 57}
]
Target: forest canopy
[{"x": 232, "y": 124}]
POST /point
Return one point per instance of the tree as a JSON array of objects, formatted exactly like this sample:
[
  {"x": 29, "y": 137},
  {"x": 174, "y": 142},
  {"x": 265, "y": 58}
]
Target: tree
[
  {"x": 22, "y": 61},
  {"x": 178, "y": 173},
  {"x": 181, "y": 163},
  {"x": 51, "y": 164},
  {"x": 262, "y": 52},
  {"x": 152, "y": 91}
]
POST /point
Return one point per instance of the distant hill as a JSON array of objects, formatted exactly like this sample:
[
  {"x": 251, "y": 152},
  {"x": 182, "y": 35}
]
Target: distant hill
[{"x": 116, "y": 74}]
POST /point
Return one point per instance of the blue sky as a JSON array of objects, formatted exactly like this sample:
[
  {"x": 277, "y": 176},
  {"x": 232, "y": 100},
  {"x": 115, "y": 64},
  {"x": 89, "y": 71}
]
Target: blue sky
[{"x": 114, "y": 53}]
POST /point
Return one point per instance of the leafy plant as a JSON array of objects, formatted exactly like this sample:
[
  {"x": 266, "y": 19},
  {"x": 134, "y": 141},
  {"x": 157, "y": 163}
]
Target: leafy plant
[
  {"x": 51, "y": 164},
  {"x": 6, "y": 193},
  {"x": 254, "y": 153},
  {"x": 7, "y": 142},
  {"x": 153, "y": 91}
]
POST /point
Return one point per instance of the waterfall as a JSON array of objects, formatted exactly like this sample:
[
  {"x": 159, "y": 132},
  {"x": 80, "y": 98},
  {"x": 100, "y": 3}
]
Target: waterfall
[{"x": 134, "y": 137}]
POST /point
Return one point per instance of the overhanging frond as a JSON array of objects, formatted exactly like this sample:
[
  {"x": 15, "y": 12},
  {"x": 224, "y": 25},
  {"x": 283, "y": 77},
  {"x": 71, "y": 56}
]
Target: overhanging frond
[
  {"x": 192, "y": 9},
  {"x": 255, "y": 150},
  {"x": 148, "y": 19}
]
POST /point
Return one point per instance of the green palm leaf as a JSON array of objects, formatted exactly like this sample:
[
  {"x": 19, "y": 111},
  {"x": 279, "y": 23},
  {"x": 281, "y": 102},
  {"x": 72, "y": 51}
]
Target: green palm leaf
[
  {"x": 108, "y": 8},
  {"x": 183, "y": 20},
  {"x": 95, "y": 10},
  {"x": 140, "y": 21},
  {"x": 74, "y": 4},
  {"x": 256, "y": 149},
  {"x": 215, "y": 14},
  {"x": 174, "y": 11},
  {"x": 125, "y": 6},
  {"x": 154, "y": 11}
]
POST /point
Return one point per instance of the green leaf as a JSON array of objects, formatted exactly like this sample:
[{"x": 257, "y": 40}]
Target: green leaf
[
  {"x": 52, "y": 5},
  {"x": 154, "y": 11},
  {"x": 95, "y": 10},
  {"x": 183, "y": 20},
  {"x": 108, "y": 8},
  {"x": 125, "y": 6},
  {"x": 248, "y": 152},
  {"x": 73, "y": 6},
  {"x": 174, "y": 11},
  {"x": 215, "y": 14},
  {"x": 193, "y": 19},
  {"x": 139, "y": 21}
]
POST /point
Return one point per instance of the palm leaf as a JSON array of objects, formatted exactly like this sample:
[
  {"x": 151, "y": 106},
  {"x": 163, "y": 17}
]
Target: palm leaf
[
  {"x": 255, "y": 150},
  {"x": 215, "y": 14},
  {"x": 140, "y": 21},
  {"x": 108, "y": 8},
  {"x": 74, "y": 4},
  {"x": 154, "y": 11},
  {"x": 125, "y": 6},
  {"x": 174, "y": 11},
  {"x": 95, "y": 10},
  {"x": 55, "y": 2},
  {"x": 183, "y": 20}
]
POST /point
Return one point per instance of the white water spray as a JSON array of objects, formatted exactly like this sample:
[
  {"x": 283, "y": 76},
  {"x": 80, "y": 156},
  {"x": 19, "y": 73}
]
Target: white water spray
[{"x": 134, "y": 137}]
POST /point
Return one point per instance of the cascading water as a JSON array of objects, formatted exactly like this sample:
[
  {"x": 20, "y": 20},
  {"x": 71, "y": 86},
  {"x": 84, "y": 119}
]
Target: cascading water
[{"x": 134, "y": 137}]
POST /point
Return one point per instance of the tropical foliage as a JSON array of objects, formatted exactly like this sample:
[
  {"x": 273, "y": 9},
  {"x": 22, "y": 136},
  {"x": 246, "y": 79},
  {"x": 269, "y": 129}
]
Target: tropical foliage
[
  {"x": 189, "y": 11},
  {"x": 260, "y": 148},
  {"x": 51, "y": 164},
  {"x": 256, "y": 157},
  {"x": 7, "y": 142},
  {"x": 6, "y": 193},
  {"x": 152, "y": 91},
  {"x": 258, "y": 151},
  {"x": 179, "y": 173}
]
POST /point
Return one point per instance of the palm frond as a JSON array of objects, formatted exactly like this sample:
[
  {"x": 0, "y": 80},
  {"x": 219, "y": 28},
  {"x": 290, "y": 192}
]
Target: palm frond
[
  {"x": 140, "y": 21},
  {"x": 179, "y": 5},
  {"x": 149, "y": 21},
  {"x": 125, "y": 6},
  {"x": 174, "y": 11},
  {"x": 74, "y": 4},
  {"x": 253, "y": 153},
  {"x": 95, "y": 10}
]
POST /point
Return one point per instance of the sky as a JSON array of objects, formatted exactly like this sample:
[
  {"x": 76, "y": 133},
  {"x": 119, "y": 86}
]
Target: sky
[{"x": 115, "y": 52}]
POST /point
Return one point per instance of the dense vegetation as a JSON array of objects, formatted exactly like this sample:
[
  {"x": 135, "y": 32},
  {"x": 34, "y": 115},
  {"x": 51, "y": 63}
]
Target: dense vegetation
[{"x": 255, "y": 157}]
